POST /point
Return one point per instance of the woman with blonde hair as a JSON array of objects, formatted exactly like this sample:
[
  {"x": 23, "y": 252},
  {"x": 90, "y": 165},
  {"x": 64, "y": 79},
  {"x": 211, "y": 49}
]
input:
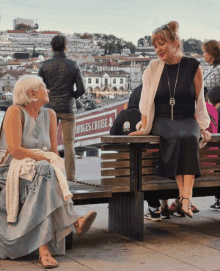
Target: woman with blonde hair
[
  {"x": 43, "y": 214},
  {"x": 172, "y": 85},
  {"x": 211, "y": 54}
]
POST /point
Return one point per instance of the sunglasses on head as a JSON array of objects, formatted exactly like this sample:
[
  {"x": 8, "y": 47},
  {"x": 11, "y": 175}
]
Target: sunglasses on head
[{"x": 162, "y": 28}]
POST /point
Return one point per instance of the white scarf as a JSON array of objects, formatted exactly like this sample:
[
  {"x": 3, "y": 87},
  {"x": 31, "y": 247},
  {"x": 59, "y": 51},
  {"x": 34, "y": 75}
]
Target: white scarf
[{"x": 25, "y": 168}]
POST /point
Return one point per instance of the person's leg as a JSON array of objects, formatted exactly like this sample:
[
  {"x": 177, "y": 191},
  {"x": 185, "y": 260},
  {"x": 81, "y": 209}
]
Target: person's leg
[
  {"x": 187, "y": 194},
  {"x": 153, "y": 211},
  {"x": 165, "y": 212},
  {"x": 180, "y": 183},
  {"x": 68, "y": 124}
]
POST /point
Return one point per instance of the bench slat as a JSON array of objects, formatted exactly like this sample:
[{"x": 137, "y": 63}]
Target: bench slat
[
  {"x": 115, "y": 164},
  {"x": 114, "y": 156},
  {"x": 116, "y": 181},
  {"x": 150, "y": 154},
  {"x": 116, "y": 172},
  {"x": 207, "y": 151},
  {"x": 149, "y": 170},
  {"x": 149, "y": 162},
  {"x": 115, "y": 147},
  {"x": 118, "y": 188},
  {"x": 83, "y": 191}
]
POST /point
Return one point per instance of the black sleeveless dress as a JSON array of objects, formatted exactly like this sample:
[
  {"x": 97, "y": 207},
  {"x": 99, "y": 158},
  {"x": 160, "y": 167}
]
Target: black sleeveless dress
[{"x": 179, "y": 143}]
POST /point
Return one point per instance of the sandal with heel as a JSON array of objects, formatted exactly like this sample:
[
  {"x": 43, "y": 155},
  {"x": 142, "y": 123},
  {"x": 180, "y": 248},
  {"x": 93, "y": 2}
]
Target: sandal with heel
[{"x": 187, "y": 209}]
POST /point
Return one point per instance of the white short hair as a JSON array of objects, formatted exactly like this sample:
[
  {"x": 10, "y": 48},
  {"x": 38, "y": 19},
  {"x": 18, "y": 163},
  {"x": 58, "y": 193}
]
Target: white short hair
[{"x": 23, "y": 85}]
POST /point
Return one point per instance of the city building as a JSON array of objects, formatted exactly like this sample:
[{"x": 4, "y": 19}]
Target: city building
[
  {"x": 106, "y": 84},
  {"x": 22, "y": 21}
]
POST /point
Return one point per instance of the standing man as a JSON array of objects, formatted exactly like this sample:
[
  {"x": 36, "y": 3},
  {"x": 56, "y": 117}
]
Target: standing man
[{"x": 60, "y": 74}]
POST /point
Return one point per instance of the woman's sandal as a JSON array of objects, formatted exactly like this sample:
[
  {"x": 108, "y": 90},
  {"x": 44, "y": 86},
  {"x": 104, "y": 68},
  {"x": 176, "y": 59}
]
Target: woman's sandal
[
  {"x": 194, "y": 208},
  {"x": 48, "y": 265},
  {"x": 83, "y": 224},
  {"x": 179, "y": 202},
  {"x": 187, "y": 210}
]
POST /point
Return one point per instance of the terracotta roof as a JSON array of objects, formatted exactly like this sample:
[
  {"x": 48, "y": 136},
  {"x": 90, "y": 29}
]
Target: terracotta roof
[
  {"x": 140, "y": 59},
  {"x": 50, "y": 32},
  {"x": 17, "y": 31},
  {"x": 14, "y": 62},
  {"x": 14, "y": 73}
]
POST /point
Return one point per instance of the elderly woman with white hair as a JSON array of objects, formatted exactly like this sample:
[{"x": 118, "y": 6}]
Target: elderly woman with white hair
[{"x": 44, "y": 216}]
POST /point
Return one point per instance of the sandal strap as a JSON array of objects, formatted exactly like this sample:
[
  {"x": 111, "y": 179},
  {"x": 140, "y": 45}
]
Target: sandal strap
[
  {"x": 189, "y": 202},
  {"x": 44, "y": 254}
]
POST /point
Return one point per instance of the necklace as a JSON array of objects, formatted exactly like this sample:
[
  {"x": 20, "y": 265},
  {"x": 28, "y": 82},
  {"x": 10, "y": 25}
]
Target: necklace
[{"x": 172, "y": 99}]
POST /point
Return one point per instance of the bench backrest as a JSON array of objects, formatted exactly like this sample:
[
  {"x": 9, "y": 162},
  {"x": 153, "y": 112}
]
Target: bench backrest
[{"x": 116, "y": 167}]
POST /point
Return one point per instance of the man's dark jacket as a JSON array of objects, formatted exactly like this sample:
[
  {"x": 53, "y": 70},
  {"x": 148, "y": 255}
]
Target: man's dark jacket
[{"x": 60, "y": 74}]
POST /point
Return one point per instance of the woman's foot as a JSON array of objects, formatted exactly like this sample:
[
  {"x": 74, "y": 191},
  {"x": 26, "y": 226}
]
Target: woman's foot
[
  {"x": 186, "y": 207},
  {"x": 47, "y": 261},
  {"x": 83, "y": 224}
]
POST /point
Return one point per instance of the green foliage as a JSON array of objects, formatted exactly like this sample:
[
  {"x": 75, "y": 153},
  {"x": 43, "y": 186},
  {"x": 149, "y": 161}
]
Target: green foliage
[
  {"x": 111, "y": 44},
  {"x": 192, "y": 45},
  {"x": 86, "y": 36}
]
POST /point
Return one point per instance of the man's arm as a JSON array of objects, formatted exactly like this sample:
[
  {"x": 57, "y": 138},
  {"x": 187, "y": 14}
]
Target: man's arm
[{"x": 80, "y": 86}]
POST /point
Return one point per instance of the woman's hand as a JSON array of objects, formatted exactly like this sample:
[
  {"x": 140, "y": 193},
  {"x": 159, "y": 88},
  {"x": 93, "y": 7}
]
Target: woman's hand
[
  {"x": 136, "y": 133},
  {"x": 207, "y": 135}
]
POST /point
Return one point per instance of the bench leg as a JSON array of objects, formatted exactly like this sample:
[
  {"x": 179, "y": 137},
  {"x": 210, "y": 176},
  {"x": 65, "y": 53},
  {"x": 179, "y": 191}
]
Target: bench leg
[
  {"x": 126, "y": 214},
  {"x": 69, "y": 241}
]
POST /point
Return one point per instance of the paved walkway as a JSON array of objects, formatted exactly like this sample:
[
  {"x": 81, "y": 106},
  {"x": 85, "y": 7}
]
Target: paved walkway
[{"x": 180, "y": 244}]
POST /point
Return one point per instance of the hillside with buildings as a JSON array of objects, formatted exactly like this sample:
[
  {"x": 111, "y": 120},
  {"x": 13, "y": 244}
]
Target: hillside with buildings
[{"x": 110, "y": 67}]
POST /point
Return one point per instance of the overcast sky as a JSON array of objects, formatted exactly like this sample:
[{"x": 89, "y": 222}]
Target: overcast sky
[{"x": 128, "y": 19}]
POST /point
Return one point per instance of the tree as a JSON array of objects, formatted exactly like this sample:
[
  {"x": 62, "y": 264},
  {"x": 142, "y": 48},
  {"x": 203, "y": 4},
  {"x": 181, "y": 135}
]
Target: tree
[
  {"x": 141, "y": 42},
  {"x": 131, "y": 46},
  {"x": 23, "y": 27},
  {"x": 192, "y": 45},
  {"x": 86, "y": 36}
]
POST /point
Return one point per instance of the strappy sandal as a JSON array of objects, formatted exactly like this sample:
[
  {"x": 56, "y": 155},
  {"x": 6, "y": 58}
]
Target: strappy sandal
[
  {"x": 179, "y": 202},
  {"x": 188, "y": 209},
  {"x": 194, "y": 208},
  {"x": 83, "y": 224},
  {"x": 48, "y": 265}
]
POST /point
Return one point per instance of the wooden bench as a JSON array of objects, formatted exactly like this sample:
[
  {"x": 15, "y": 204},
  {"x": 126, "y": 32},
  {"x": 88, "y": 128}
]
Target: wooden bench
[{"x": 129, "y": 168}]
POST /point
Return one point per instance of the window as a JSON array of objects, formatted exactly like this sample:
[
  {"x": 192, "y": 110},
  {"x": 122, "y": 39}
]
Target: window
[
  {"x": 89, "y": 80},
  {"x": 121, "y": 81},
  {"x": 97, "y": 81},
  {"x": 106, "y": 81},
  {"x": 114, "y": 81}
]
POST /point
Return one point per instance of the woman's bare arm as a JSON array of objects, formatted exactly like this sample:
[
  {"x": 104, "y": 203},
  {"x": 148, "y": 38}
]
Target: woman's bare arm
[
  {"x": 198, "y": 80},
  {"x": 53, "y": 131},
  {"x": 13, "y": 131}
]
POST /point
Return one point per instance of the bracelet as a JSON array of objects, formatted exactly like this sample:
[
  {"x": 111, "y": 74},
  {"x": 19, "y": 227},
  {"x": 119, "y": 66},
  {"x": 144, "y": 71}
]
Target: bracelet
[{"x": 142, "y": 130}]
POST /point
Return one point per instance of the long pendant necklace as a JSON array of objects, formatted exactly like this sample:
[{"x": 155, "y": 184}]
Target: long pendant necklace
[{"x": 172, "y": 99}]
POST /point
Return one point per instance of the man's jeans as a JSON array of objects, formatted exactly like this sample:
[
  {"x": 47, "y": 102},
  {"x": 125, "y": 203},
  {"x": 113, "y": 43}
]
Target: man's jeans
[{"x": 68, "y": 124}]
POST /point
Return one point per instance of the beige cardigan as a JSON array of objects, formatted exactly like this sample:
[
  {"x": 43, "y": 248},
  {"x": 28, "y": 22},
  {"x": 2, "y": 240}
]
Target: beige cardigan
[
  {"x": 25, "y": 168},
  {"x": 151, "y": 79}
]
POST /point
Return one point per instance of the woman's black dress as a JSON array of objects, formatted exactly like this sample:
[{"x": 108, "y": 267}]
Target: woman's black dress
[{"x": 179, "y": 148}]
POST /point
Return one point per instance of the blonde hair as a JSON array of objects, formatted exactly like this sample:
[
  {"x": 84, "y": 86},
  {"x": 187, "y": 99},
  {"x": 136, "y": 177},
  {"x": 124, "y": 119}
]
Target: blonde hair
[
  {"x": 212, "y": 47},
  {"x": 21, "y": 88},
  {"x": 171, "y": 32}
]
